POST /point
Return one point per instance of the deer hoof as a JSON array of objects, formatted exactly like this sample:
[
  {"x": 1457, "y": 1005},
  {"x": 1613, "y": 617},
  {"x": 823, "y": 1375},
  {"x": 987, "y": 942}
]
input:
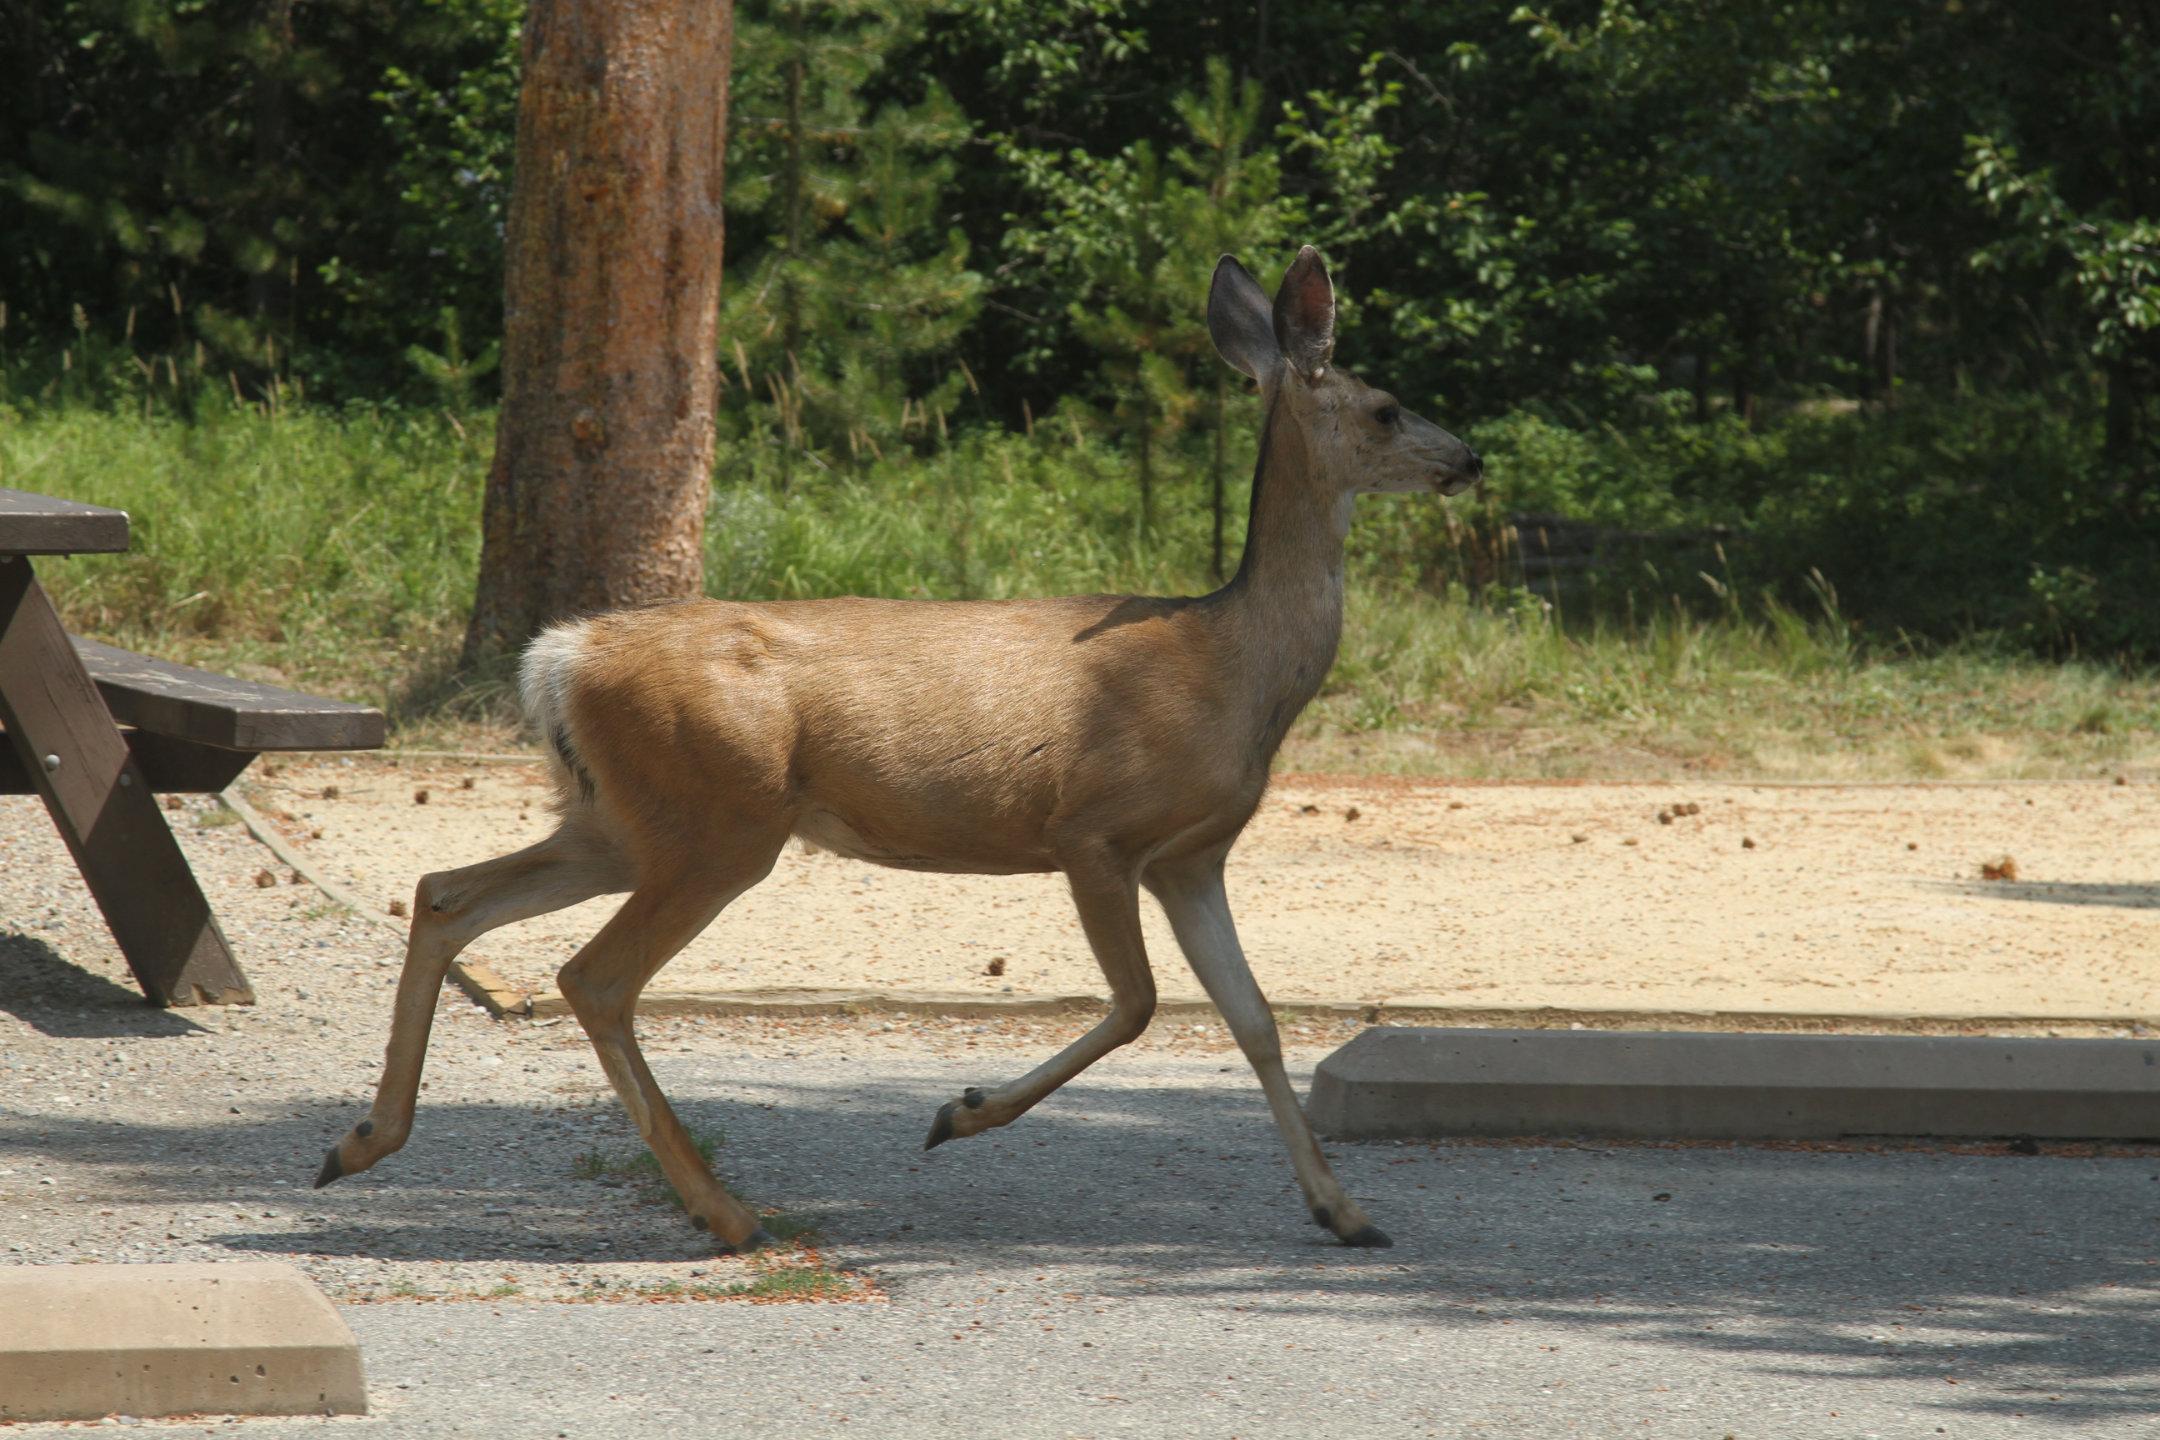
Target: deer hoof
[
  {"x": 331, "y": 1169},
  {"x": 757, "y": 1239},
  {"x": 1372, "y": 1237},
  {"x": 941, "y": 1129}
]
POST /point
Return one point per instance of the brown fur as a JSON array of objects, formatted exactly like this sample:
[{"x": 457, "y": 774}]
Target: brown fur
[{"x": 1122, "y": 740}]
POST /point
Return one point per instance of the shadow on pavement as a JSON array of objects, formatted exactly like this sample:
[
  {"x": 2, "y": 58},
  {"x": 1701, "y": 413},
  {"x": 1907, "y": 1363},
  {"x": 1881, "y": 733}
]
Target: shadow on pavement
[
  {"x": 2010, "y": 1281},
  {"x": 44, "y": 989}
]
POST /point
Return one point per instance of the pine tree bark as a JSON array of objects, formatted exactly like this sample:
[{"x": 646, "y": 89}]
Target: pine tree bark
[{"x": 603, "y": 451}]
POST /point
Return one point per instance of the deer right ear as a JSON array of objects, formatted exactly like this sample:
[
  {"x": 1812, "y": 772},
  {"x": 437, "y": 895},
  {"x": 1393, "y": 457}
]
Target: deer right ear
[
  {"x": 1240, "y": 322},
  {"x": 1304, "y": 317}
]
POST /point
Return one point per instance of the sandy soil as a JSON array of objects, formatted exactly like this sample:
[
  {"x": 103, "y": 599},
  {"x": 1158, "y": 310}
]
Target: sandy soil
[{"x": 1852, "y": 900}]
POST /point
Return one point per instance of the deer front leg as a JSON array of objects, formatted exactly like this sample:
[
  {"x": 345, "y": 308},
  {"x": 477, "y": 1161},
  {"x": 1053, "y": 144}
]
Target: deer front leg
[
  {"x": 1192, "y": 896},
  {"x": 1109, "y": 904}
]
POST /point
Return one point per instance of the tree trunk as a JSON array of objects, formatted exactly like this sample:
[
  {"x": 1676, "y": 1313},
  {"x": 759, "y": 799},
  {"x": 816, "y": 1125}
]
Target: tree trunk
[
  {"x": 2120, "y": 442},
  {"x": 1871, "y": 347},
  {"x": 603, "y": 452},
  {"x": 1743, "y": 371},
  {"x": 790, "y": 293},
  {"x": 1885, "y": 358},
  {"x": 269, "y": 294},
  {"x": 1147, "y": 471}
]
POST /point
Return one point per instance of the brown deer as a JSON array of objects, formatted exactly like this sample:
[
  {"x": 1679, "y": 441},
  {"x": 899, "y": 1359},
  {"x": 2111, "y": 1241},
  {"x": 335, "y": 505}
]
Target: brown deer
[{"x": 1122, "y": 740}]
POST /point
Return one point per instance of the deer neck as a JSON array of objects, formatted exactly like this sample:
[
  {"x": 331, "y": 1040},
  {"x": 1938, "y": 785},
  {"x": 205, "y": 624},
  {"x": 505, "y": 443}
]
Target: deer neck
[{"x": 1284, "y": 608}]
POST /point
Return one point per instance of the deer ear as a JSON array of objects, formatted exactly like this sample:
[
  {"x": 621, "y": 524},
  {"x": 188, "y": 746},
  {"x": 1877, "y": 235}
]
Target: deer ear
[
  {"x": 1238, "y": 322},
  {"x": 1305, "y": 315}
]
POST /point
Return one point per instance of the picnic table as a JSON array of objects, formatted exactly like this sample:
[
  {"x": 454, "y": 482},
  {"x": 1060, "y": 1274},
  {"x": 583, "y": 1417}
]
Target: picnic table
[{"x": 99, "y": 733}]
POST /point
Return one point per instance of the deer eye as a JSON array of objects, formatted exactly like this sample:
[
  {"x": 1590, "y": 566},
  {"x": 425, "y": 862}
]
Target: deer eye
[{"x": 1388, "y": 414}]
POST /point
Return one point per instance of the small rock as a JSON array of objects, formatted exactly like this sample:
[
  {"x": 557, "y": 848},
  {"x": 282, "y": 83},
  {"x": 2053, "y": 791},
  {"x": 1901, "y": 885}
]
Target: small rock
[
  {"x": 1747, "y": 842},
  {"x": 315, "y": 834},
  {"x": 466, "y": 783},
  {"x": 174, "y": 802},
  {"x": 1662, "y": 1195},
  {"x": 2003, "y": 869},
  {"x": 397, "y": 908},
  {"x": 1910, "y": 845},
  {"x": 329, "y": 792},
  {"x": 1664, "y": 817},
  {"x": 292, "y": 877},
  {"x": 264, "y": 879},
  {"x": 995, "y": 967},
  {"x": 1351, "y": 813},
  {"x": 1454, "y": 804},
  {"x": 1631, "y": 840},
  {"x": 1308, "y": 809},
  {"x": 2122, "y": 779},
  {"x": 1578, "y": 838},
  {"x": 419, "y": 797}
]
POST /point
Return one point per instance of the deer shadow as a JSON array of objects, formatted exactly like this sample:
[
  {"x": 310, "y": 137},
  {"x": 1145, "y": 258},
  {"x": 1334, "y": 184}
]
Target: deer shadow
[{"x": 1843, "y": 1267}]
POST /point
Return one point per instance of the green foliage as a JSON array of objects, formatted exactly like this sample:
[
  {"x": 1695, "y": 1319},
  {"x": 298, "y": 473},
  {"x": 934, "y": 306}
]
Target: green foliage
[
  {"x": 327, "y": 547},
  {"x": 844, "y": 311},
  {"x": 1869, "y": 290},
  {"x": 1131, "y": 241},
  {"x": 261, "y": 191}
]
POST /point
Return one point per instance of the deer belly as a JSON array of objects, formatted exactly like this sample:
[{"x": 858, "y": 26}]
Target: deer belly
[{"x": 912, "y": 848}]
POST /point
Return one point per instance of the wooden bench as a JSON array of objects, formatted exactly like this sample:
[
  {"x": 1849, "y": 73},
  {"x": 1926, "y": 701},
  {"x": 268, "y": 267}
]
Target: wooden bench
[
  {"x": 98, "y": 732},
  {"x": 193, "y": 732}
]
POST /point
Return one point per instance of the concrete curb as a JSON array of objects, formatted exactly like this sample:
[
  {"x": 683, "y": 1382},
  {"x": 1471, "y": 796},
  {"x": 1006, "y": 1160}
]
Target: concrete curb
[
  {"x": 255, "y": 1338},
  {"x": 478, "y": 981},
  {"x": 1403, "y": 1083}
]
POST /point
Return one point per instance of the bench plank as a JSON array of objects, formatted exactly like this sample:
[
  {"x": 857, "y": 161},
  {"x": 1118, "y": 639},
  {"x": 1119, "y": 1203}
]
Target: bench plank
[
  {"x": 41, "y": 525},
  {"x": 168, "y": 766},
  {"x": 219, "y": 710}
]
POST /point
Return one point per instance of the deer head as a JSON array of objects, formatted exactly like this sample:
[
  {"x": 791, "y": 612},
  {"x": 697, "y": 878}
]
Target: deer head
[{"x": 1360, "y": 439}]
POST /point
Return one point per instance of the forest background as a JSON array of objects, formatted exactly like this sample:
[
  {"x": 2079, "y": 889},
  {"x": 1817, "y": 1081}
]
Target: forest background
[{"x": 1834, "y": 326}]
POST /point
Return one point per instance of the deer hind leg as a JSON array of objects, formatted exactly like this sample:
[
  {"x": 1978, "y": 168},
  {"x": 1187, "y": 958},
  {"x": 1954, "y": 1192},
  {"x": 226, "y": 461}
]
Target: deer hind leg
[
  {"x": 451, "y": 909},
  {"x": 602, "y": 982},
  {"x": 1192, "y": 896},
  {"x": 1109, "y": 904}
]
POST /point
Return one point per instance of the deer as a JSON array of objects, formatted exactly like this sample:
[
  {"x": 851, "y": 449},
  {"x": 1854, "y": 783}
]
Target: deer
[{"x": 1124, "y": 741}]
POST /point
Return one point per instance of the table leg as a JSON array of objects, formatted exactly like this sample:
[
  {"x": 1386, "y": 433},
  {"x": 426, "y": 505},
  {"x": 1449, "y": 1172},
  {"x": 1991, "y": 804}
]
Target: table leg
[{"x": 66, "y": 740}]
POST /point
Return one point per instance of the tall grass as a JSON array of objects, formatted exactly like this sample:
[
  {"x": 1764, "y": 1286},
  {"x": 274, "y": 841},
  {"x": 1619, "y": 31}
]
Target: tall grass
[
  {"x": 338, "y": 551},
  {"x": 331, "y": 548}
]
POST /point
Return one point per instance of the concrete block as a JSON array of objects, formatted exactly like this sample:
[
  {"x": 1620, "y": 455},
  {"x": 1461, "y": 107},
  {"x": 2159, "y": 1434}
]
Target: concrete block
[
  {"x": 1401, "y": 1082},
  {"x": 81, "y": 1341}
]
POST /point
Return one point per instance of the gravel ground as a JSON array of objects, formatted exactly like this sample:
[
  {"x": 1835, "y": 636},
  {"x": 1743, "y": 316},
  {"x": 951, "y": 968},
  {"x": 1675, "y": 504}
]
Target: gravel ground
[
  {"x": 1862, "y": 901},
  {"x": 1130, "y": 1259}
]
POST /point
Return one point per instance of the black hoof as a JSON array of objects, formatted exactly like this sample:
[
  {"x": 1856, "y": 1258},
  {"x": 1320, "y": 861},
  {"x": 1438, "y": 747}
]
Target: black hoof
[
  {"x": 941, "y": 1128},
  {"x": 1372, "y": 1237},
  {"x": 330, "y": 1171},
  {"x": 757, "y": 1239}
]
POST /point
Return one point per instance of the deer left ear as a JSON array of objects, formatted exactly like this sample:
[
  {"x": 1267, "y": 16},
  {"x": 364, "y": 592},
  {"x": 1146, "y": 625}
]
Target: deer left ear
[
  {"x": 1305, "y": 315},
  {"x": 1237, "y": 318}
]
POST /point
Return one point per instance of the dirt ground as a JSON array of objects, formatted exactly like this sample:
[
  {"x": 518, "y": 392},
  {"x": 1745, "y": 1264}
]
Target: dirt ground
[{"x": 1859, "y": 901}]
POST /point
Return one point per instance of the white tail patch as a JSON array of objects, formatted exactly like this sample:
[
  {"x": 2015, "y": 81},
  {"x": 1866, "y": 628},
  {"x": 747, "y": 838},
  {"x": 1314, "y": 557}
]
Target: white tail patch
[{"x": 544, "y": 679}]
